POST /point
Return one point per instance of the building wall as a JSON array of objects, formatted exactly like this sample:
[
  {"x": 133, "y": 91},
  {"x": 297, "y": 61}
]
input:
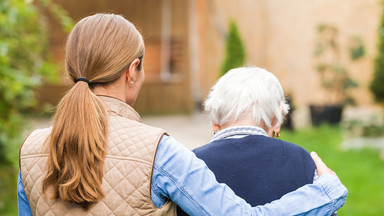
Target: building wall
[
  {"x": 292, "y": 37},
  {"x": 278, "y": 35},
  {"x": 249, "y": 16},
  {"x": 159, "y": 94},
  {"x": 281, "y": 35}
]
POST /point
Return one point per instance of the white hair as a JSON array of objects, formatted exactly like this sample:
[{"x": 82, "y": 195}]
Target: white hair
[{"x": 247, "y": 92}]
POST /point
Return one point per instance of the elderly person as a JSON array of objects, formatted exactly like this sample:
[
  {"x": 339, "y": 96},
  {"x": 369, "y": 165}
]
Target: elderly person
[
  {"x": 247, "y": 108},
  {"x": 98, "y": 158}
]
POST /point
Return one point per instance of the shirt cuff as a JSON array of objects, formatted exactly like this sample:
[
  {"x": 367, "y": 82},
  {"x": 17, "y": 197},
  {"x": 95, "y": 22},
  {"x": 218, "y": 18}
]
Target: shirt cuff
[{"x": 335, "y": 190}]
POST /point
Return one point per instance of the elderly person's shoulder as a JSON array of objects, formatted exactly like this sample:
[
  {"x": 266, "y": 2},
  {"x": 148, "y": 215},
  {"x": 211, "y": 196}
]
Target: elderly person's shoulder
[
  {"x": 255, "y": 144},
  {"x": 288, "y": 146}
]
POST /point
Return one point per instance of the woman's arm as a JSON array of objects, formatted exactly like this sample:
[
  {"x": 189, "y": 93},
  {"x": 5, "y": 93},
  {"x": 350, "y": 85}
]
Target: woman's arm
[
  {"x": 22, "y": 201},
  {"x": 180, "y": 176}
]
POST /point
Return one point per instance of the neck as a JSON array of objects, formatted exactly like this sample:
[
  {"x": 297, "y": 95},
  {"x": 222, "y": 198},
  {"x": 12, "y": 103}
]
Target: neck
[
  {"x": 242, "y": 122},
  {"x": 110, "y": 92}
]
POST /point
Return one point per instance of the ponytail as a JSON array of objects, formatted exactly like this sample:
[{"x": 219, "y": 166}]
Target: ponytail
[{"x": 77, "y": 147}]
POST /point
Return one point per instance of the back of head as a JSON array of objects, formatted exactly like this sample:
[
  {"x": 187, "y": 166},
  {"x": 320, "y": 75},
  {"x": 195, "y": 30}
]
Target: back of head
[
  {"x": 247, "y": 92},
  {"x": 101, "y": 46},
  {"x": 99, "y": 49}
]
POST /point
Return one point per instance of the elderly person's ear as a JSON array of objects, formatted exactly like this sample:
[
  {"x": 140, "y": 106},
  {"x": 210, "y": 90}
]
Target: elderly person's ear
[
  {"x": 215, "y": 127},
  {"x": 274, "y": 131}
]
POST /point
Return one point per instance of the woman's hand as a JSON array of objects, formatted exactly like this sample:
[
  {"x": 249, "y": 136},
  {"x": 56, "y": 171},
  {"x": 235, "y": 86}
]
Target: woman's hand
[{"x": 321, "y": 167}]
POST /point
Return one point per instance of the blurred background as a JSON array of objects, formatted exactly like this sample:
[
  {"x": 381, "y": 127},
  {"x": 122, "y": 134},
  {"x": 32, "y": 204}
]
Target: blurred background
[{"x": 328, "y": 56}]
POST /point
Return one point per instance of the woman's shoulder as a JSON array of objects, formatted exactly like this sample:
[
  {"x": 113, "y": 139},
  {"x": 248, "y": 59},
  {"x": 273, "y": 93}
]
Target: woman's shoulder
[
  {"x": 37, "y": 134},
  {"x": 35, "y": 139},
  {"x": 119, "y": 124}
]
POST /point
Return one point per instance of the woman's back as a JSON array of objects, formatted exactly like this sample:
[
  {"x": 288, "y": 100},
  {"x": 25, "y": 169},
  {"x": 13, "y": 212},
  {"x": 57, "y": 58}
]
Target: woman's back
[{"x": 127, "y": 168}]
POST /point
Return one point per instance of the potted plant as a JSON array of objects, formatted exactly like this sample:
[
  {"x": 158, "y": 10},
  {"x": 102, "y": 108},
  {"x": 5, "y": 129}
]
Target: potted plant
[{"x": 334, "y": 76}]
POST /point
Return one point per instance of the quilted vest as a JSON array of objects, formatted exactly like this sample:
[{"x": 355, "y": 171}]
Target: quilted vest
[{"x": 128, "y": 168}]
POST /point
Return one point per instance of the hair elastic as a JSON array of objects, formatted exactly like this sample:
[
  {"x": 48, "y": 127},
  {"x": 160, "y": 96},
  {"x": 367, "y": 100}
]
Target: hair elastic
[{"x": 82, "y": 79}]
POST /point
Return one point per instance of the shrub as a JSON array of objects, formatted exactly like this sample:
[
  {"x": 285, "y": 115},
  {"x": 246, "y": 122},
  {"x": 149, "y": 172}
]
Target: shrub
[
  {"x": 24, "y": 61},
  {"x": 234, "y": 50},
  {"x": 334, "y": 76},
  {"x": 377, "y": 86}
]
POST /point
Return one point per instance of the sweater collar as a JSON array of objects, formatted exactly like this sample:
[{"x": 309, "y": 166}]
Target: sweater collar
[
  {"x": 119, "y": 108},
  {"x": 238, "y": 132}
]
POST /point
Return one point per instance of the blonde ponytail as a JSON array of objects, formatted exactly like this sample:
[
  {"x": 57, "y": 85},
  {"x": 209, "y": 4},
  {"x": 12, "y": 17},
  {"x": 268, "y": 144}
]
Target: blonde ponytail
[
  {"x": 77, "y": 147},
  {"x": 98, "y": 50}
]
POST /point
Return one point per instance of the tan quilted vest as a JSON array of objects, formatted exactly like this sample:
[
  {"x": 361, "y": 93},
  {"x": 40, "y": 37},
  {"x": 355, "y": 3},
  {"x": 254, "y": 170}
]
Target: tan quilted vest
[{"x": 128, "y": 168}]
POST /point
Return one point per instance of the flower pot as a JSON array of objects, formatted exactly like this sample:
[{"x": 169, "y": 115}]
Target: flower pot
[
  {"x": 288, "y": 122},
  {"x": 330, "y": 114}
]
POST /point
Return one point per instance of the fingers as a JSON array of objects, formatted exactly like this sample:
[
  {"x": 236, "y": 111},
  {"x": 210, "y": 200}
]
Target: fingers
[{"x": 321, "y": 167}]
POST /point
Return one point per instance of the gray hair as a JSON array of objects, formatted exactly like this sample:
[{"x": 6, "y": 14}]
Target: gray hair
[{"x": 247, "y": 92}]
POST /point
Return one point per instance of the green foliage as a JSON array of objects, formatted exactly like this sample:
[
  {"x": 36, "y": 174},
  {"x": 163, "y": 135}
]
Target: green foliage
[
  {"x": 361, "y": 171},
  {"x": 25, "y": 61},
  {"x": 377, "y": 84},
  {"x": 356, "y": 49},
  {"x": 8, "y": 185},
  {"x": 60, "y": 14},
  {"x": 372, "y": 127},
  {"x": 22, "y": 63},
  {"x": 334, "y": 75},
  {"x": 234, "y": 50}
]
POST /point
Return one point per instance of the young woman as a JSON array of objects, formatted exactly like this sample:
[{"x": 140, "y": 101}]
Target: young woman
[{"x": 98, "y": 158}]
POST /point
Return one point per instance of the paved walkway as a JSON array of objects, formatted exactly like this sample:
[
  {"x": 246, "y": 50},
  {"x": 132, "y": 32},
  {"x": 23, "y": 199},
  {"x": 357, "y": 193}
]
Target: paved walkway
[{"x": 191, "y": 130}]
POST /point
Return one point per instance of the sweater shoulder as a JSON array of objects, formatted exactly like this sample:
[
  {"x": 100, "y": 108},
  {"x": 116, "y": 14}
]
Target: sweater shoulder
[{"x": 292, "y": 146}]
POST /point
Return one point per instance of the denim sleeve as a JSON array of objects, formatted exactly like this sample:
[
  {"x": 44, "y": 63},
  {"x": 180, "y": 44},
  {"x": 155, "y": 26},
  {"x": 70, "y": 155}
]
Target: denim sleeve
[
  {"x": 180, "y": 176},
  {"x": 22, "y": 201},
  {"x": 323, "y": 197}
]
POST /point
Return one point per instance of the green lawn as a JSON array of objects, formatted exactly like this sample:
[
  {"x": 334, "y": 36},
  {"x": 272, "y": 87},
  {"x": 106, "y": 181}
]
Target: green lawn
[{"x": 361, "y": 171}]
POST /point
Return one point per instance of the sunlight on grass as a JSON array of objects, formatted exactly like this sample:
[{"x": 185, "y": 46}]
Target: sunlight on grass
[{"x": 361, "y": 171}]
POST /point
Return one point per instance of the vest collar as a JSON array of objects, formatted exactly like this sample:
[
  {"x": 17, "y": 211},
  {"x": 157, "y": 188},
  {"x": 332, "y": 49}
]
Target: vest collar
[{"x": 120, "y": 108}]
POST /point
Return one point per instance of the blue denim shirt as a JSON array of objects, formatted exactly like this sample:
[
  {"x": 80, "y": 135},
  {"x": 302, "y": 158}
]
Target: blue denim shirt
[{"x": 180, "y": 176}]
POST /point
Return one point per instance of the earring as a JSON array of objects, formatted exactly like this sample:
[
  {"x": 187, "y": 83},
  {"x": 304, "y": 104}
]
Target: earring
[
  {"x": 276, "y": 134},
  {"x": 131, "y": 84}
]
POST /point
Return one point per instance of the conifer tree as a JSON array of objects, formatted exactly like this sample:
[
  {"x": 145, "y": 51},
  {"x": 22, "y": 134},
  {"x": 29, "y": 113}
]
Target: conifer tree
[
  {"x": 377, "y": 84},
  {"x": 234, "y": 50}
]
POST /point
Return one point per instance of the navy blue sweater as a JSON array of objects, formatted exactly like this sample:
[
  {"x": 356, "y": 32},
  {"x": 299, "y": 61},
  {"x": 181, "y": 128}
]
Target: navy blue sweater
[{"x": 259, "y": 169}]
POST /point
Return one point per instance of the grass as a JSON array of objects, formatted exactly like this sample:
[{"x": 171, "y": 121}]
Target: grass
[{"x": 361, "y": 171}]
